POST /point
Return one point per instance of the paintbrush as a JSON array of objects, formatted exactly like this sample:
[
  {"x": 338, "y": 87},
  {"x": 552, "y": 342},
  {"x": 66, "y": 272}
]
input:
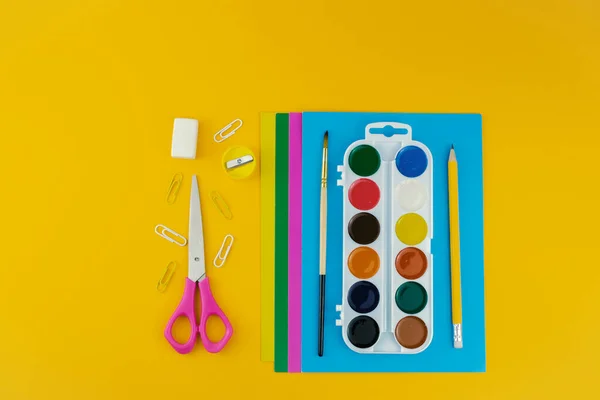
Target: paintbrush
[{"x": 323, "y": 249}]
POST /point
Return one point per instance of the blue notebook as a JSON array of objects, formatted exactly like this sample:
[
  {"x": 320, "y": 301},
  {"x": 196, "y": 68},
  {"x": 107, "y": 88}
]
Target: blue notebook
[{"x": 438, "y": 132}]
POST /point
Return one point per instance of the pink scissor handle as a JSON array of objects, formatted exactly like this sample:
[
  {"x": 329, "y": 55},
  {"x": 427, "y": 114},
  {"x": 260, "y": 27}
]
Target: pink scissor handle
[
  {"x": 210, "y": 307},
  {"x": 185, "y": 309}
]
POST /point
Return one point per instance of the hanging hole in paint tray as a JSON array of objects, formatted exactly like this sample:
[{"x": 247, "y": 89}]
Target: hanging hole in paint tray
[{"x": 388, "y": 131}]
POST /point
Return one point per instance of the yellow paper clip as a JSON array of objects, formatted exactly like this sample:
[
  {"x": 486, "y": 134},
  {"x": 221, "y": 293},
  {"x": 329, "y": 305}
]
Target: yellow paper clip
[
  {"x": 166, "y": 278},
  {"x": 221, "y": 204},
  {"x": 219, "y": 137},
  {"x": 220, "y": 257},
  {"x": 174, "y": 187}
]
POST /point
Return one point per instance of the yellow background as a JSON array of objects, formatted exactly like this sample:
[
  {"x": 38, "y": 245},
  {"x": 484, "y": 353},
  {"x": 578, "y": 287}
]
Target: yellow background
[{"x": 88, "y": 93}]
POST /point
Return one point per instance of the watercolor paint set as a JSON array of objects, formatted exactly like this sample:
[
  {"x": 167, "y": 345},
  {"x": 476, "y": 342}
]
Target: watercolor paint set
[
  {"x": 387, "y": 302},
  {"x": 356, "y": 242}
]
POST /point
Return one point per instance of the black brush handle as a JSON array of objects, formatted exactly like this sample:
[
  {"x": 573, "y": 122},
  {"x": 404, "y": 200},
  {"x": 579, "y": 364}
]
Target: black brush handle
[{"x": 321, "y": 313}]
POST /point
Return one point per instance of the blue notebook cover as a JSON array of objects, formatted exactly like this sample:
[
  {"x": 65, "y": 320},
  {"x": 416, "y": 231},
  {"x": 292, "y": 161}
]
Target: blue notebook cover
[{"x": 438, "y": 132}]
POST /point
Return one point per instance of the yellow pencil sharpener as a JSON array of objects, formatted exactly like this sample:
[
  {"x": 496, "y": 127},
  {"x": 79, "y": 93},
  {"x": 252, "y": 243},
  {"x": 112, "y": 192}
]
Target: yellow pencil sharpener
[{"x": 239, "y": 162}]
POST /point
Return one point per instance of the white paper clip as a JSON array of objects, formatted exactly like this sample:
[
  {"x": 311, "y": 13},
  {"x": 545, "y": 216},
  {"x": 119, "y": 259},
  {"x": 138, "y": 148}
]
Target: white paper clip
[
  {"x": 219, "y": 137},
  {"x": 220, "y": 258},
  {"x": 177, "y": 238}
]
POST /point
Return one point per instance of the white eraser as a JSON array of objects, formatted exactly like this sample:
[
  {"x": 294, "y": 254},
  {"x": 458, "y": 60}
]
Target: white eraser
[{"x": 185, "y": 138}]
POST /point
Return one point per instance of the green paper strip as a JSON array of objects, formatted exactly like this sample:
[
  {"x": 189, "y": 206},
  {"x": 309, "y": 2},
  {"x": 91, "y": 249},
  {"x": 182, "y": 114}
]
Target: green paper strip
[{"x": 281, "y": 241}]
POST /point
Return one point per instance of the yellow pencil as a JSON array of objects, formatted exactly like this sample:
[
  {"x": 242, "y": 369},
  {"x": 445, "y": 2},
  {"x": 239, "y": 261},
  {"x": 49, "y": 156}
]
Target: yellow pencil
[{"x": 455, "y": 248}]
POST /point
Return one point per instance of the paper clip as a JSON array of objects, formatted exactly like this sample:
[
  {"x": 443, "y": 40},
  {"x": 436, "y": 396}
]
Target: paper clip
[
  {"x": 221, "y": 204},
  {"x": 160, "y": 231},
  {"x": 162, "y": 284},
  {"x": 174, "y": 188},
  {"x": 219, "y": 137},
  {"x": 220, "y": 258}
]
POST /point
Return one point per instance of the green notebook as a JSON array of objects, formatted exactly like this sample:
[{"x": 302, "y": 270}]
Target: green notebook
[{"x": 281, "y": 241}]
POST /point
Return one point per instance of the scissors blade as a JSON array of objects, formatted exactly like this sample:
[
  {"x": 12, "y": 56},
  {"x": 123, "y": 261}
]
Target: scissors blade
[{"x": 196, "y": 265}]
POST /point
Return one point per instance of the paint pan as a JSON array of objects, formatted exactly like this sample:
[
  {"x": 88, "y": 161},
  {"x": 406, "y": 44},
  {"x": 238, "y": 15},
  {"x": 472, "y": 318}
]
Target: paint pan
[
  {"x": 387, "y": 302},
  {"x": 411, "y": 263},
  {"x": 363, "y": 332},
  {"x": 363, "y": 297},
  {"x": 363, "y": 262}
]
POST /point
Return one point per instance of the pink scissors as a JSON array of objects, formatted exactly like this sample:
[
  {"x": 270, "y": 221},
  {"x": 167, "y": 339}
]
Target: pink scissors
[{"x": 197, "y": 276}]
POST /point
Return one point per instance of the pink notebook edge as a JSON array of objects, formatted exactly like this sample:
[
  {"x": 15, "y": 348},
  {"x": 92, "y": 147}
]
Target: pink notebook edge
[{"x": 295, "y": 244}]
